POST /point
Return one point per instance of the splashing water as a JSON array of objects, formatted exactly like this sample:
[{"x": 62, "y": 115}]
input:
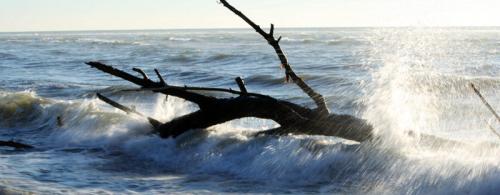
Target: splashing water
[
  {"x": 422, "y": 86},
  {"x": 400, "y": 79}
]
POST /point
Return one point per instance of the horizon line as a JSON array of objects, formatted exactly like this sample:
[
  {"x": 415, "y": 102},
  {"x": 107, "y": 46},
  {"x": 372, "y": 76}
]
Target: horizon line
[{"x": 233, "y": 28}]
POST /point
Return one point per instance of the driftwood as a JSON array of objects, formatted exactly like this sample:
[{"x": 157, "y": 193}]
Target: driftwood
[
  {"x": 291, "y": 117},
  {"x": 289, "y": 73},
  {"x": 155, "y": 123}
]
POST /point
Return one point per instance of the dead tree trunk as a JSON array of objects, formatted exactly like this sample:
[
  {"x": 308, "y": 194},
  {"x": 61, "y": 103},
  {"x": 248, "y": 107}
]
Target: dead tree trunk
[{"x": 291, "y": 117}]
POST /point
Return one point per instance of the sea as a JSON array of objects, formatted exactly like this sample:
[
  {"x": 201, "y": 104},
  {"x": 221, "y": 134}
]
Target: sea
[{"x": 401, "y": 80}]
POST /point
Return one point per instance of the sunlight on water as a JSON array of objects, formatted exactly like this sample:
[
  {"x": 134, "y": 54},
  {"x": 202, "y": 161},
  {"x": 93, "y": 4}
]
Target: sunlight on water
[
  {"x": 401, "y": 79},
  {"x": 420, "y": 86}
]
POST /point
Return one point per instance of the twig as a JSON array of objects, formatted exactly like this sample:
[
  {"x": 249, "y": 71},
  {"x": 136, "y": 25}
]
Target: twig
[
  {"x": 289, "y": 73},
  {"x": 160, "y": 77},
  {"x": 124, "y": 75},
  {"x": 241, "y": 85},
  {"x": 155, "y": 123},
  {"x": 140, "y": 71}
]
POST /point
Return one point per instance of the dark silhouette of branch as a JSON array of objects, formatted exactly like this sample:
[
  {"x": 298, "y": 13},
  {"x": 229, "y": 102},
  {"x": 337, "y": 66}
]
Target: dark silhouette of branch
[
  {"x": 155, "y": 123},
  {"x": 291, "y": 117},
  {"x": 140, "y": 71},
  {"x": 144, "y": 82},
  {"x": 289, "y": 73},
  {"x": 160, "y": 77},
  {"x": 241, "y": 85}
]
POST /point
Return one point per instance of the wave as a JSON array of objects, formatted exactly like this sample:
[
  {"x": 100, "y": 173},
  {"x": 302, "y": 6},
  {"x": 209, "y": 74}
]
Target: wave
[
  {"x": 181, "y": 39},
  {"x": 26, "y": 110},
  {"x": 108, "y": 41},
  {"x": 306, "y": 40},
  {"x": 331, "y": 42},
  {"x": 442, "y": 85},
  {"x": 342, "y": 41},
  {"x": 268, "y": 80},
  {"x": 273, "y": 160},
  {"x": 7, "y": 56},
  {"x": 219, "y": 57},
  {"x": 22, "y": 107},
  {"x": 66, "y": 40},
  {"x": 181, "y": 58},
  {"x": 230, "y": 149}
]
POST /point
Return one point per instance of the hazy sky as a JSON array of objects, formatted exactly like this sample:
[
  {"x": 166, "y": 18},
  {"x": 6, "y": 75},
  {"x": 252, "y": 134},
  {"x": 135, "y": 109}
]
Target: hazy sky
[{"x": 49, "y": 15}]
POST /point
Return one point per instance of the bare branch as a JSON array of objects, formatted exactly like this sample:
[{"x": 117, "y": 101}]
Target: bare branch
[
  {"x": 160, "y": 77},
  {"x": 241, "y": 85},
  {"x": 140, "y": 71},
  {"x": 155, "y": 123},
  {"x": 146, "y": 83},
  {"x": 271, "y": 31},
  {"x": 292, "y": 117},
  {"x": 289, "y": 73},
  {"x": 118, "y": 105}
]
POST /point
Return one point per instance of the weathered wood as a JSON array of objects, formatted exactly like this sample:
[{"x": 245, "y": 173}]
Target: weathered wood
[
  {"x": 140, "y": 71},
  {"x": 144, "y": 82},
  {"x": 289, "y": 73},
  {"x": 155, "y": 123},
  {"x": 160, "y": 77},
  {"x": 241, "y": 85},
  {"x": 291, "y": 117}
]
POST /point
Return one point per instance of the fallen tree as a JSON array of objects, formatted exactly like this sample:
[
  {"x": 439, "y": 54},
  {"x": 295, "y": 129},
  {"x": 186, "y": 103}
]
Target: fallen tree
[{"x": 291, "y": 117}]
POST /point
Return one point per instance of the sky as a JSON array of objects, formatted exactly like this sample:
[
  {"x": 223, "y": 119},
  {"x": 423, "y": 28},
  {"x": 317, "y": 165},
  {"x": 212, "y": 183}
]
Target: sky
[{"x": 56, "y": 15}]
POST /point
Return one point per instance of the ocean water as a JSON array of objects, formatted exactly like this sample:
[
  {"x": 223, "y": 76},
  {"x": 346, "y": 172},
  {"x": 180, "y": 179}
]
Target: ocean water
[{"x": 399, "y": 79}]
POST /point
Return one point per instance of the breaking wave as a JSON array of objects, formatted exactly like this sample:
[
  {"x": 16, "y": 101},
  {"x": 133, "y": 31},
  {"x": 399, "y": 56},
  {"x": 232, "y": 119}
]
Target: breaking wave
[
  {"x": 406, "y": 82},
  {"x": 182, "y": 39},
  {"x": 230, "y": 149}
]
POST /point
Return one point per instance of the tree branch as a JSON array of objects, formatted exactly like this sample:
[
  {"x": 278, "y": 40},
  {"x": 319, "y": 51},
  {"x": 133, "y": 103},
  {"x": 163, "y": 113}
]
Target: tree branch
[
  {"x": 140, "y": 71},
  {"x": 289, "y": 73},
  {"x": 160, "y": 77},
  {"x": 241, "y": 85},
  {"x": 291, "y": 117},
  {"x": 146, "y": 83},
  {"x": 199, "y": 99},
  {"x": 155, "y": 123}
]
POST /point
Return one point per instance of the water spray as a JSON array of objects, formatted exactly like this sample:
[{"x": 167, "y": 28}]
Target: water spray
[{"x": 487, "y": 106}]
